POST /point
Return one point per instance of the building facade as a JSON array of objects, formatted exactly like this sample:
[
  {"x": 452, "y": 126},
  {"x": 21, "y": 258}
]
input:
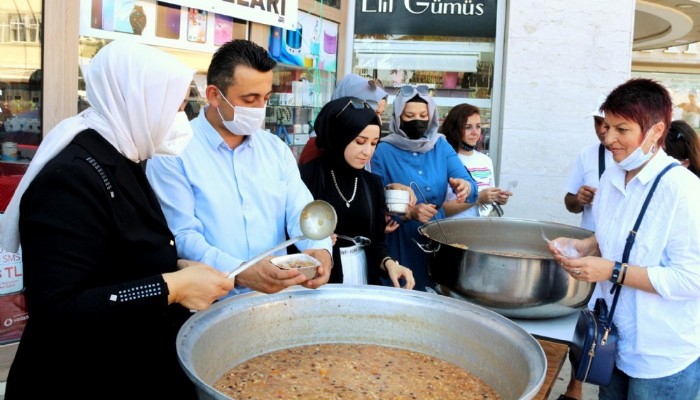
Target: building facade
[{"x": 550, "y": 61}]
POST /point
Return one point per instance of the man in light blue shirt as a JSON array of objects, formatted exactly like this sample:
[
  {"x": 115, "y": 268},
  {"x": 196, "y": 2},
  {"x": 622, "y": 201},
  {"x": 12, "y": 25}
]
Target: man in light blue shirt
[{"x": 236, "y": 191}]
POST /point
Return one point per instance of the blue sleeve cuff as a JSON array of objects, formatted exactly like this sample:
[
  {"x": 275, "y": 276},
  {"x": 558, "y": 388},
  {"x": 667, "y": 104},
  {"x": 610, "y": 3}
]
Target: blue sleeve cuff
[{"x": 474, "y": 194}]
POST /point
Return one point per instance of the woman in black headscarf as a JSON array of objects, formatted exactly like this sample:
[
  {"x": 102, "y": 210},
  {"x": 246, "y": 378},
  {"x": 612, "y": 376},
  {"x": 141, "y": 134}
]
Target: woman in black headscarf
[{"x": 348, "y": 132}]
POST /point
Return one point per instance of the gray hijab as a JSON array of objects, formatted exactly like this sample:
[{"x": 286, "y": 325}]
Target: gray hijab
[
  {"x": 398, "y": 138},
  {"x": 354, "y": 85}
]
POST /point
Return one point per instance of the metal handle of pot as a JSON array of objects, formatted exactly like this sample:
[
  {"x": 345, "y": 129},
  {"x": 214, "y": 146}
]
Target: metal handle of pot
[
  {"x": 426, "y": 247},
  {"x": 358, "y": 240},
  {"x": 434, "y": 216}
]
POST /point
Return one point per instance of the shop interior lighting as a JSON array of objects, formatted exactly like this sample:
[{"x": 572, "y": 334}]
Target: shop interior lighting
[{"x": 685, "y": 5}]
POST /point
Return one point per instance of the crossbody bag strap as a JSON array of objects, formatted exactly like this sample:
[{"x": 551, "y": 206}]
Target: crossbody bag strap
[
  {"x": 633, "y": 235},
  {"x": 601, "y": 160}
]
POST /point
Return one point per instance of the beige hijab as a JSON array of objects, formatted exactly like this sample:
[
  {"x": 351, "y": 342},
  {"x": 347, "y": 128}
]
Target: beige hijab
[{"x": 134, "y": 91}]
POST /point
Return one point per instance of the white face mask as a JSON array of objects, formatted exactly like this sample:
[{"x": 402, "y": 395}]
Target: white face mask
[
  {"x": 177, "y": 138},
  {"x": 637, "y": 158},
  {"x": 246, "y": 120}
]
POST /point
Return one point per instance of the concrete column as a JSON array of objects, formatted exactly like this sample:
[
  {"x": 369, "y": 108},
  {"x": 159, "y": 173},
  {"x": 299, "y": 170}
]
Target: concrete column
[{"x": 560, "y": 56}]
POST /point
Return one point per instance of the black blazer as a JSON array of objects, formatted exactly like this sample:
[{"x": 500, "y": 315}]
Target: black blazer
[{"x": 89, "y": 239}]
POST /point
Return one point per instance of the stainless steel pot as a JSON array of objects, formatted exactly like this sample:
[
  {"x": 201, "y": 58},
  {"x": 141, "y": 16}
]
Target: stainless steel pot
[
  {"x": 232, "y": 331},
  {"x": 504, "y": 264}
]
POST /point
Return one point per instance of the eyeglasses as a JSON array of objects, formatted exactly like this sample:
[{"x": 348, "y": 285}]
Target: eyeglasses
[
  {"x": 358, "y": 104},
  {"x": 409, "y": 90}
]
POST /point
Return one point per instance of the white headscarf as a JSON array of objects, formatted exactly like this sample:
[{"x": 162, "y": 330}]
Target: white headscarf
[{"x": 134, "y": 91}]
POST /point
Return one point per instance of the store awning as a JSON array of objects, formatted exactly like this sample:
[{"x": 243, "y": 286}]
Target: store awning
[
  {"x": 412, "y": 55},
  {"x": 425, "y": 62}
]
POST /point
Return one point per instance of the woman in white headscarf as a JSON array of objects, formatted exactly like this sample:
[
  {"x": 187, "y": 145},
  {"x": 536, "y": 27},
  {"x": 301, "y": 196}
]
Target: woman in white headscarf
[
  {"x": 416, "y": 155},
  {"x": 105, "y": 292}
]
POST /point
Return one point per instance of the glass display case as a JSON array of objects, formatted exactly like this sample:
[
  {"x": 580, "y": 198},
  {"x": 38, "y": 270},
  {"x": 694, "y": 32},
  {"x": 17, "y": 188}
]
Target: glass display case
[{"x": 298, "y": 95}]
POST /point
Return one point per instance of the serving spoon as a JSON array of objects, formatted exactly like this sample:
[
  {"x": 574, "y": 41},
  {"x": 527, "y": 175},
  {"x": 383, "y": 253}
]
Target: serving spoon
[{"x": 317, "y": 221}]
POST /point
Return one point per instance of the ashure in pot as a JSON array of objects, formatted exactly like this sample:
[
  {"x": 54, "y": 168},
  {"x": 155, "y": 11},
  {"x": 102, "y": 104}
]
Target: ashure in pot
[
  {"x": 239, "y": 328},
  {"x": 504, "y": 264}
]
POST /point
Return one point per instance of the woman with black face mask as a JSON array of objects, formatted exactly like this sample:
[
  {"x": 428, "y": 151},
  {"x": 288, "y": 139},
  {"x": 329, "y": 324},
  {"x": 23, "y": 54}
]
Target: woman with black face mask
[{"x": 415, "y": 154}]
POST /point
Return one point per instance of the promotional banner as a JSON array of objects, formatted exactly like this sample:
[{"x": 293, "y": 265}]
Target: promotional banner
[
  {"x": 473, "y": 18},
  {"x": 282, "y": 13},
  {"x": 161, "y": 23},
  {"x": 313, "y": 44}
]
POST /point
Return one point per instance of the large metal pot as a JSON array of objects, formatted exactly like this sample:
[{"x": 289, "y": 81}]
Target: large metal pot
[
  {"x": 234, "y": 330},
  {"x": 504, "y": 264}
]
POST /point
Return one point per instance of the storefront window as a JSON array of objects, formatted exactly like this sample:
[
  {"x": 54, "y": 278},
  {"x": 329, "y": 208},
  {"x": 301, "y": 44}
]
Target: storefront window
[
  {"x": 449, "y": 46},
  {"x": 684, "y": 89},
  {"x": 457, "y": 70},
  {"x": 298, "y": 95},
  {"x": 304, "y": 79},
  {"x": 20, "y": 90}
]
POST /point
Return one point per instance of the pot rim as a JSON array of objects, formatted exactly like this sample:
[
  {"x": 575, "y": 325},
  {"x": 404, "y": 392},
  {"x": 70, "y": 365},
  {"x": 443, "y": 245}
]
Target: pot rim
[
  {"x": 512, "y": 219},
  {"x": 495, "y": 220}
]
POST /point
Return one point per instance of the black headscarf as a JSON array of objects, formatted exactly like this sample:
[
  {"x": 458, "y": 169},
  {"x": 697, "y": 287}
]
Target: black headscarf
[{"x": 335, "y": 131}]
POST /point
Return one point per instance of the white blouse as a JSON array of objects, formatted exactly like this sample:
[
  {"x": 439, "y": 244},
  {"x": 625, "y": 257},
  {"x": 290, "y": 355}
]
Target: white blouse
[{"x": 659, "y": 333}]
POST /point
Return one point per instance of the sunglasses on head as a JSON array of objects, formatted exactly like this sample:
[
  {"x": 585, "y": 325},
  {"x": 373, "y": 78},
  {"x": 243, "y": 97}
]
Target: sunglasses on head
[
  {"x": 409, "y": 90},
  {"x": 374, "y": 84},
  {"x": 358, "y": 104}
]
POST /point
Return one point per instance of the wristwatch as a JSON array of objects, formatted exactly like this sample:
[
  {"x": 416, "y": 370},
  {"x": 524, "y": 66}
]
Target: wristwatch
[{"x": 137, "y": 18}]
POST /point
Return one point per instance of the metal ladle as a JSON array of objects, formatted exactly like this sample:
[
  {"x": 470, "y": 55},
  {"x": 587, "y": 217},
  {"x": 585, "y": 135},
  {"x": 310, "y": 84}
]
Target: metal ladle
[
  {"x": 317, "y": 221},
  {"x": 357, "y": 240}
]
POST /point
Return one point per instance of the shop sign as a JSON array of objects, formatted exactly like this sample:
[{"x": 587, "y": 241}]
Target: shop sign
[
  {"x": 466, "y": 18},
  {"x": 175, "y": 24},
  {"x": 11, "y": 276},
  {"x": 282, "y": 13},
  {"x": 186, "y": 24}
]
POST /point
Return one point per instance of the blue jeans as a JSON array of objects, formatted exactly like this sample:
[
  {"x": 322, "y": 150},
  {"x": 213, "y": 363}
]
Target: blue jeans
[{"x": 684, "y": 385}]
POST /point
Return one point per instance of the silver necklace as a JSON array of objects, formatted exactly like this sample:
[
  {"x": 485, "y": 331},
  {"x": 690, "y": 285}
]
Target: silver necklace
[{"x": 354, "y": 191}]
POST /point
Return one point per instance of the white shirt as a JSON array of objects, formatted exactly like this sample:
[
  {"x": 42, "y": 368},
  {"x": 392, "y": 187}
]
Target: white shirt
[
  {"x": 480, "y": 167},
  {"x": 659, "y": 333},
  {"x": 226, "y": 206},
  {"x": 585, "y": 172}
]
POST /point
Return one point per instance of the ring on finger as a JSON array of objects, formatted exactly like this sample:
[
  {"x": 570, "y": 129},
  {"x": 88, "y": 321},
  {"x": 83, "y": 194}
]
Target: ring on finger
[{"x": 577, "y": 271}]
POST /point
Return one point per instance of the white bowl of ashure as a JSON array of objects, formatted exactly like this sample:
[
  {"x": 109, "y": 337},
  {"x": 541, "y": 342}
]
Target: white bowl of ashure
[
  {"x": 397, "y": 201},
  {"x": 303, "y": 262}
]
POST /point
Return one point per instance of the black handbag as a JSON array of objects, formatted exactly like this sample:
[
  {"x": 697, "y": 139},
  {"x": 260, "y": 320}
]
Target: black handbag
[
  {"x": 593, "y": 345},
  {"x": 595, "y": 336}
]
